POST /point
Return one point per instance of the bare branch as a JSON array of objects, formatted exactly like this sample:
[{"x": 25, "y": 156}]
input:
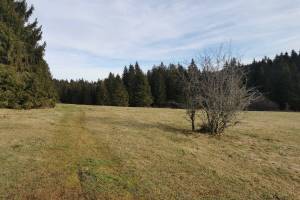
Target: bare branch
[{"x": 218, "y": 92}]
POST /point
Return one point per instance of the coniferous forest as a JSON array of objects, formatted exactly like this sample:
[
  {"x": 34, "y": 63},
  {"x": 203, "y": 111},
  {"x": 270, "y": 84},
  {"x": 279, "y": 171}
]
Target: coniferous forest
[
  {"x": 277, "y": 79},
  {"x": 25, "y": 79}
]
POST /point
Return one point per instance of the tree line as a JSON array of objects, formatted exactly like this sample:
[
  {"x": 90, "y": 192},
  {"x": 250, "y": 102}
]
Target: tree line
[
  {"x": 277, "y": 79},
  {"x": 25, "y": 79},
  {"x": 160, "y": 87}
]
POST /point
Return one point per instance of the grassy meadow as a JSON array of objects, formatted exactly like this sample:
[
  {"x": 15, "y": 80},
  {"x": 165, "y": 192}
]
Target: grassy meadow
[{"x": 89, "y": 152}]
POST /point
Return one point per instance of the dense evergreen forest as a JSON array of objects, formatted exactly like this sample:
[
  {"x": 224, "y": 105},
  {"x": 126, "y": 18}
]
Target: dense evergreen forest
[
  {"x": 25, "y": 80},
  {"x": 162, "y": 86},
  {"x": 278, "y": 80}
]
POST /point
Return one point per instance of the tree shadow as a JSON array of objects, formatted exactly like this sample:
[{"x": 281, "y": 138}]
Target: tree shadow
[
  {"x": 174, "y": 129},
  {"x": 144, "y": 126}
]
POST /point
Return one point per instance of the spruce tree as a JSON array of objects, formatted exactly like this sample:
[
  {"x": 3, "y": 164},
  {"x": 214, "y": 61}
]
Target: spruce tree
[
  {"x": 174, "y": 85},
  {"x": 130, "y": 84},
  {"x": 119, "y": 93},
  {"x": 278, "y": 79},
  {"x": 109, "y": 84},
  {"x": 125, "y": 77},
  {"x": 25, "y": 79},
  {"x": 282, "y": 83},
  {"x": 142, "y": 90},
  {"x": 101, "y": 93},
  {"x": 158, "y": 85}
]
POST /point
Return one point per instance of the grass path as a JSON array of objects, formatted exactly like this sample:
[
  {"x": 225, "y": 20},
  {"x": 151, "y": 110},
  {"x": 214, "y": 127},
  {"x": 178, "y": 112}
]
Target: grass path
[
  {"x": 66, "y": 167},
  {"x": 56, "y": 176},
  {"x": 70, "y": 144}
]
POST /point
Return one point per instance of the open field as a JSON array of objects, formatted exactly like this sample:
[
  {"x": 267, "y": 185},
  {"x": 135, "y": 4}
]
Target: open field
[{"x": 86, "y": 152}]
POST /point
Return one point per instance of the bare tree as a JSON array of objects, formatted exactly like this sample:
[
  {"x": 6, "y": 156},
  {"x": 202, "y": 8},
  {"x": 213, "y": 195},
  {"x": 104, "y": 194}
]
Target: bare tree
[
  {"x": 191, "y": 87},
  {"x": 222, "y": 91}
]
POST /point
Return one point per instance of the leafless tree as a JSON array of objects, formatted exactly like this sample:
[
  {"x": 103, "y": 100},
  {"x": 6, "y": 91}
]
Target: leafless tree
[
  {"x": 222, "y": 91},
  {"x": 191, "y": 89},
  {"x": 218, "y": 92}
]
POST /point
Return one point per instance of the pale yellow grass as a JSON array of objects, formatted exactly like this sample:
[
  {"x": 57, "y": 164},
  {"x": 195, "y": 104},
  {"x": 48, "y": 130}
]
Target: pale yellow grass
[{"x": 89, "y": 152}]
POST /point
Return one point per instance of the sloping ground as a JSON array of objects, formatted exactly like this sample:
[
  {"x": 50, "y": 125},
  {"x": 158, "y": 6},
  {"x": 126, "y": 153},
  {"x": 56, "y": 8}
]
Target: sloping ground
[{"x": 86, "y": 152}]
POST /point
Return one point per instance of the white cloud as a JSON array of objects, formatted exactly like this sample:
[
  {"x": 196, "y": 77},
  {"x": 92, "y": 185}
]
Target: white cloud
[{"x": 122, "y": 31}]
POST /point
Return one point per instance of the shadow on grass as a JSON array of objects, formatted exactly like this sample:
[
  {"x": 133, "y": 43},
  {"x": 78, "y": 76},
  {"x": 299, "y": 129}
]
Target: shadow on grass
[
  {"x": 144, "y": 126},
  {"x": 174, "y": 129},
  {"x": 186, "y": 132}
]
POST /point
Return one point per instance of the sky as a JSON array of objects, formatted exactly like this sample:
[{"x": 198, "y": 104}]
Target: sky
[{"x": 90, "y": 38}]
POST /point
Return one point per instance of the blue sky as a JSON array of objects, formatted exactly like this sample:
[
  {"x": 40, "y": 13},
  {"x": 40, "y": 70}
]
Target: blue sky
[{"x": 90, "y": 38}]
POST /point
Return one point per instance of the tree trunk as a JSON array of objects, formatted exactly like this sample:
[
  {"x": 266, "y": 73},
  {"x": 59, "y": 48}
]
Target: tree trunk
[
  {"x": 193, "y": 120},
  {"x": 193, "y": 125}
]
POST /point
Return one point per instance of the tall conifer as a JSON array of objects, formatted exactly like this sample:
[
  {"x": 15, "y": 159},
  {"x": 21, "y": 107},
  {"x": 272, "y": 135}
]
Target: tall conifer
[
  {"x": 25, "y": 79},
  {"x": 142, "y": 90}
]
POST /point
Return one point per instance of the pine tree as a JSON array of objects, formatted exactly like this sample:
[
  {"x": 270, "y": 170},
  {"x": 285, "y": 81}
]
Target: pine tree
[
  {"x": 119, "y": 93},
  {"x": 125, "y": 77},
  {"x": 101, "y": 94},
  {"x": 174, "y": 85},
  {"x": 130, "y": 84},
  {"x": 109, "y": 84},
  {"x": 193, "y": 66},
  {"x": 278, "y": 79},
  {"x": 25, "y": 79},
  {"x": 142, "y": 90},
  {"x": 282, "y": 83},
  {"x": 158, "y": 85}
]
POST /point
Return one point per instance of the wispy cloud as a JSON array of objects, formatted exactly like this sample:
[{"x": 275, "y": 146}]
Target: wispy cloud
[{"x": 88, "y": 39}]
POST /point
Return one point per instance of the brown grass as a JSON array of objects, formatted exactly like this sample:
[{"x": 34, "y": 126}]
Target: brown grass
[{"x": 88, "y": 152}]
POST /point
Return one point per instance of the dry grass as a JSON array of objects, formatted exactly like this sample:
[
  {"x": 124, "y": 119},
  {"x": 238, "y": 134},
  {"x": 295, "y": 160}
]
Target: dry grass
[{"x": 86, "y": 152}]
